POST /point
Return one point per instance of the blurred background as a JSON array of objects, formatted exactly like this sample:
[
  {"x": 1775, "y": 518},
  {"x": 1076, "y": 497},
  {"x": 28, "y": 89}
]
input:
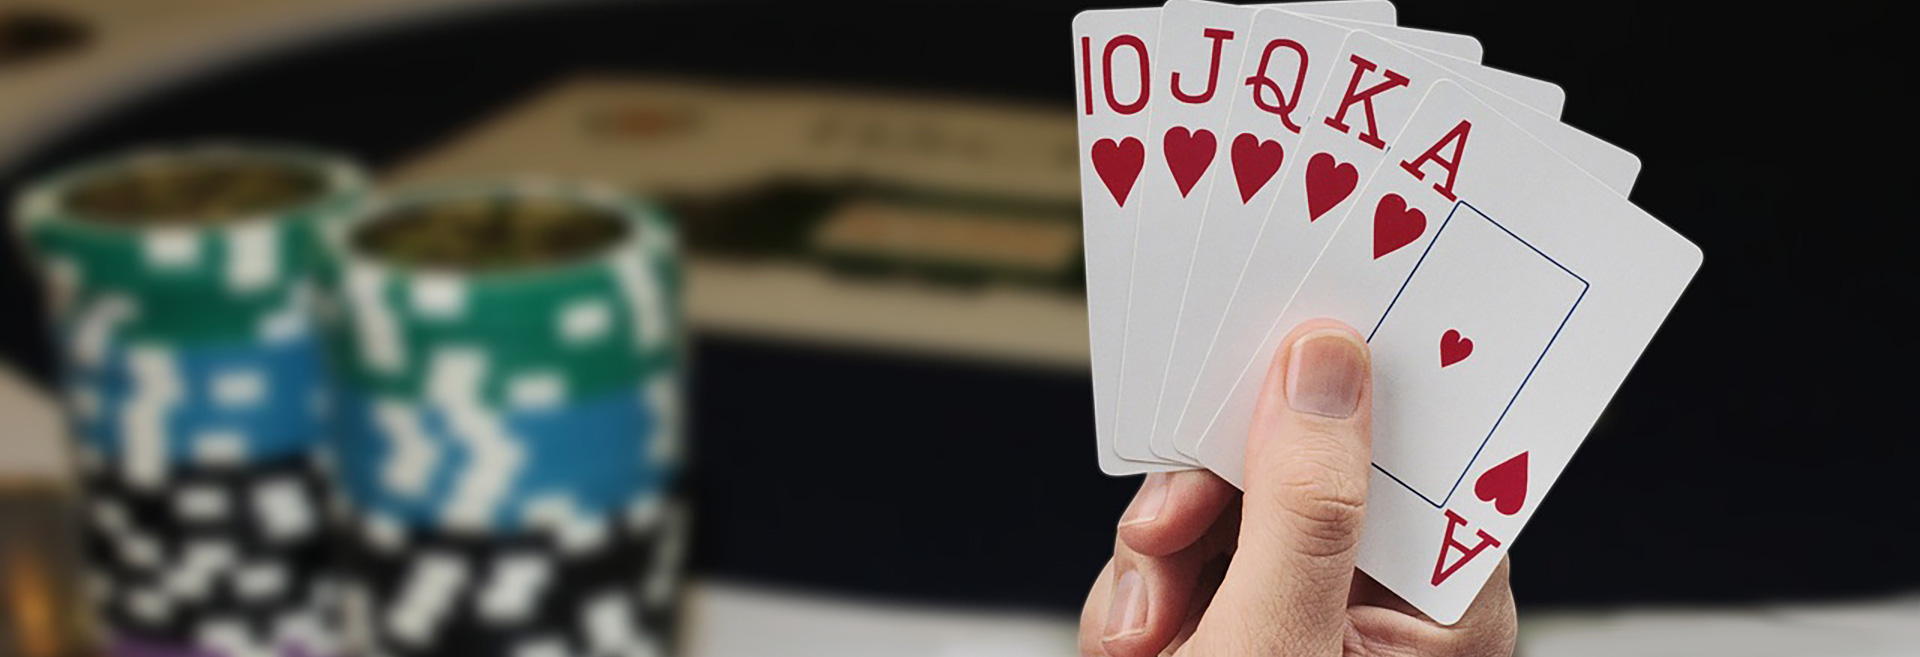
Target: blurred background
[{"x": 892, "y": 452}]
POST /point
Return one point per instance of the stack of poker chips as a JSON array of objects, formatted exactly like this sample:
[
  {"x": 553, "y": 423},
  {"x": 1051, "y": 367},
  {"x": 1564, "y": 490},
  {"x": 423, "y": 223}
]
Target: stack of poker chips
[
  {"x": 178, "y": 286},
  {"x": 506, "y": 408}
]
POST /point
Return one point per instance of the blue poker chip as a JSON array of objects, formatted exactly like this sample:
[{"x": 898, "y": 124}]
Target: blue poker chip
[
  {"x": 211, "y": 404},
  {"x": 429, "y": 465}
]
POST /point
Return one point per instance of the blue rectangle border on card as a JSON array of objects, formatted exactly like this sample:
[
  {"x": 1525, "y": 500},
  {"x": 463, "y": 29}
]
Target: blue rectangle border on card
[{"x": 1585, "y": 286}]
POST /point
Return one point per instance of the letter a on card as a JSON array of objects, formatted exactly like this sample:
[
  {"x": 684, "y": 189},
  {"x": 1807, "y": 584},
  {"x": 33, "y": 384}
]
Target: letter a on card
[{"x": 1449, "y": 545}]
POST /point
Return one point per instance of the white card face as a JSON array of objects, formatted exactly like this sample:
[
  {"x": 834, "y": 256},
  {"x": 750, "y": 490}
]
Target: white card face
[
  {"x": 1112, "y": 59},
  {"x": 1456, "y": 45},
  {"x": 1113, "y": 62},
  {"x": 1314, "y": 197},
  {"x": 1494, "y": 304},
  {"x": 1372, "y": 11},
  {"x": 1298, "y": 54},
  {"x": 1202, "y": 46},
  {"x": 1506, "y": 292}
]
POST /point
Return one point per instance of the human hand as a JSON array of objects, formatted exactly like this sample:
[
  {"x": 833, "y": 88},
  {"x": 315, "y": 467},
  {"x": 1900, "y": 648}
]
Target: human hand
[{"x": 1200, "y": 570}]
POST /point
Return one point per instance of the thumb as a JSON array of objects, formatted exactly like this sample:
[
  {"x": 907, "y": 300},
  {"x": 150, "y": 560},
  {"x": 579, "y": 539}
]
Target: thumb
[{"x": 1309, "y": 451}]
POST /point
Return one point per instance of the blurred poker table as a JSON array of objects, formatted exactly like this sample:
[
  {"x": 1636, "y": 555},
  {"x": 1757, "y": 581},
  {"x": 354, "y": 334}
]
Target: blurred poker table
[{"x": 1719, "y": 474}]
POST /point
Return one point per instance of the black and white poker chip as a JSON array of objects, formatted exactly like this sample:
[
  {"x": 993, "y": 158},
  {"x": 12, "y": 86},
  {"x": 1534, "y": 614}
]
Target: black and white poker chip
[
  {"x": 240, "y": 547},
  {"x": 536, "y": 594}
]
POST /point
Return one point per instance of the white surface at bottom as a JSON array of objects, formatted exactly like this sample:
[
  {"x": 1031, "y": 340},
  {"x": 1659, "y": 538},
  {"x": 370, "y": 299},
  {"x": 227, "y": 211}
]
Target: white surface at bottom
[
  {"x": 736, "y": 620},
  {"x": 733, "y": 620},
  {"x": 1886, "y": 628}
]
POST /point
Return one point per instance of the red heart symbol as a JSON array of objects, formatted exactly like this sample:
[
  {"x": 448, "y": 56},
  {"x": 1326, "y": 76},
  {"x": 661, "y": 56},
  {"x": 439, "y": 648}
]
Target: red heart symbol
[
  {"x": 1504, "y": 485},
  {"x": 1454, "y": 347},
  {"x": 1254, "y": 163},
  {"x": 1188, "y": 155},
  {"x": 1395, "y": 225},
  {"x": 1119, "y": 165},
  {"x": 1328, "y": 183}
]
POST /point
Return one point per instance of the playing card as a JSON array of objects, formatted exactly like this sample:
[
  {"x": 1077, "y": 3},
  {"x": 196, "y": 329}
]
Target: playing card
[
  {"x": 1285, "y": 67},
  {"x": 1454, "y": 45},
  {"x": 1505, "y": 293},
  {"x": 1200, "y": 50},
  {"x": 1113, "y": 62},
  {"x": 1374, "y": 88},
  {"x": 1380, "y": 12},
  {"x": 1111, "y": 55}
]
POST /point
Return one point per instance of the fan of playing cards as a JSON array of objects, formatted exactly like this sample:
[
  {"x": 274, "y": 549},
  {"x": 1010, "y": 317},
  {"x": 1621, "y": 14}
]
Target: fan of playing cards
[{"x": 1245, "y": 168}]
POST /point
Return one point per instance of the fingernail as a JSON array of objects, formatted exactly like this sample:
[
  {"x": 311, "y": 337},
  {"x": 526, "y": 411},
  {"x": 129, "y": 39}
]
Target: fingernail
[
  {"x": 1127, "y": 612},
  {"x": 1325, "y": 373},
  {"x": 1146, "y": 504}
]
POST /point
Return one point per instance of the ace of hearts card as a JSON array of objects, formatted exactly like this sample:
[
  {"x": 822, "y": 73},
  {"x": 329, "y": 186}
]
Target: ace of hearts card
[{"x": 1505, "y": 293}]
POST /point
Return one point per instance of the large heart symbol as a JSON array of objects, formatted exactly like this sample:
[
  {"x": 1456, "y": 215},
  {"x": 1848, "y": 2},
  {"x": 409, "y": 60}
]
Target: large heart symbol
[
  {"x": 1504, "y": 485},
  {"x": 1119, "y": 165},
  {"x": 1395, "y": 225},
  {"x": 1328, "y": 183},
  {"x": 1254, "y": 163},
  {"x": 1454, "y": 347},
  {"x": 1188, "y": 154}
]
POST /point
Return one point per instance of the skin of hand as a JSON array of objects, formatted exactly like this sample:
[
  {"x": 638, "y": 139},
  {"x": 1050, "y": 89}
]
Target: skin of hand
[{"x": 1201, "y": 570}]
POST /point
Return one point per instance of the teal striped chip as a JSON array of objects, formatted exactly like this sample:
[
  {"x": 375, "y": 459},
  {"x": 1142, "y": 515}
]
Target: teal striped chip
[
  {"x": 515, "y": 338},
  {"x": 189, "y": 282}
]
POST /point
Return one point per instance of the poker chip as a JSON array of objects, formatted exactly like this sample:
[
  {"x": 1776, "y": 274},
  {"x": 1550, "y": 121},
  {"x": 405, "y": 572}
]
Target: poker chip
[
  {"x": 534, "y": 335},
  {"x": 223, "y": 229},
  {"x": 459, "y": 593},
  {"x": 529, "y": 378},
  {"x": 505, "y": 420},
  {"x": 500, "y": 416},
  {"x": 165, "y": 566},
  {"x": 181, "y": 292}
]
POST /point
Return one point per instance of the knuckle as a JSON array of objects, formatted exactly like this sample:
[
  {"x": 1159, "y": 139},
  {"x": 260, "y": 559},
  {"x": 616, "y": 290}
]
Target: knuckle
[
  {"x": 1498, "y": 636},
  {"x": 1326, "y": 526},
  {"x": 1462, "y": 644},
  {"x": 1432, "y": 641},
  {"x": 1325, "y": 501},
  {"x": 1451, "y": 642},
  {"x": 1316, "y": 485},
  {"x": 1416, "y": 641}
]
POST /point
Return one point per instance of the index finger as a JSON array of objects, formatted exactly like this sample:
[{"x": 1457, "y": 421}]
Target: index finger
[{"x": 1173, "y": 510}]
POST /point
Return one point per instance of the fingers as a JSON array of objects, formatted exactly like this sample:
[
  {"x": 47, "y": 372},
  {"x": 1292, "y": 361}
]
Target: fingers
[
  {"x": 1093, "y": 614},
  {"x": 1491, "y": 625},
  {"x": 1368, "y": 592},
  {"x": 1308, "y": 455},
  {"x": 1383, "y": 624},
  {"x": 1146, "y": 600},
  {"x": 1150, "y": 599},
  {"x": 1173, "y": 510},
  {"x": 1211, "y": 574}
]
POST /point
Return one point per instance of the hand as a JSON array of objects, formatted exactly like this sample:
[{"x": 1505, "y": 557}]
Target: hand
[{"x": 1203, "y": 571}]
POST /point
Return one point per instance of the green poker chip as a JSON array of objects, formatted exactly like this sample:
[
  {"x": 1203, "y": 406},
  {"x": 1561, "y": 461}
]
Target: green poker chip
[
  {"x": 518, "y": 295},
  {"x": 205, "y": 243},
  {"x": 185, "y": 321}
]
